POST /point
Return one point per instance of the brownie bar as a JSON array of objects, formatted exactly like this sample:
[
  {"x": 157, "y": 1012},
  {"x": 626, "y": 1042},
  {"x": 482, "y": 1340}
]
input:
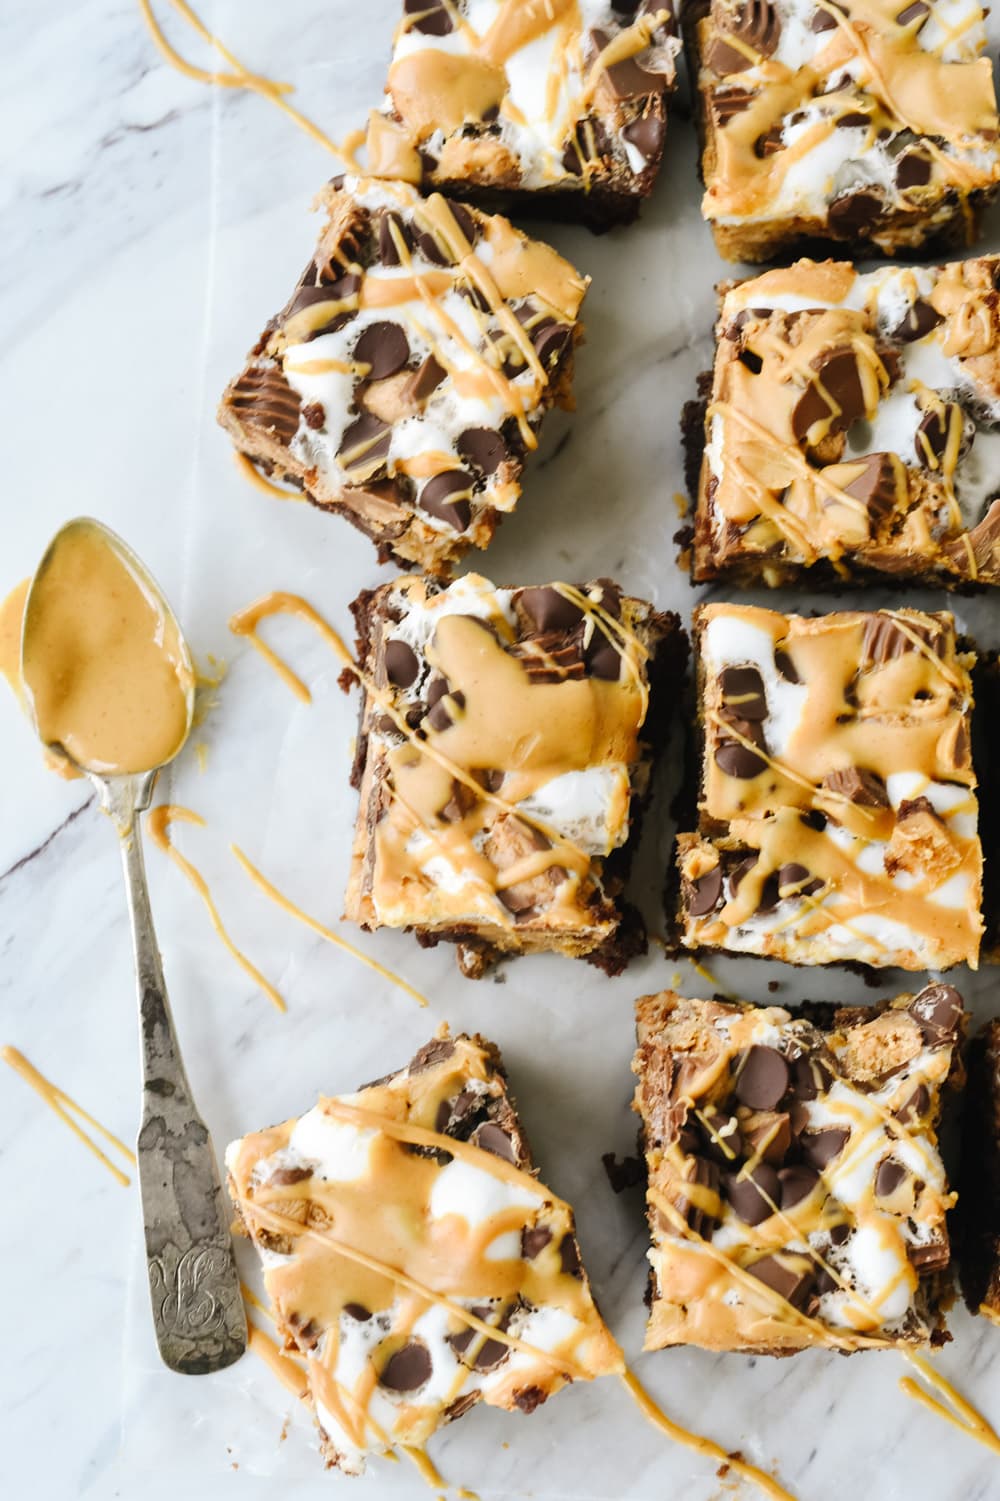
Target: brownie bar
[
  {"x": 533, "y": 107},
  {"x": 852, "y": 430},
  {"x": 837, "y": 811},
  {"x": 405, "y": 380},
  {"x": 505, "y": 750},
  {"x": 411, "y": 1256},
  {"x": 796, "y": 1196},
  {"x": 871, "y": 124},
  {"x": 978, "y": 1213}
]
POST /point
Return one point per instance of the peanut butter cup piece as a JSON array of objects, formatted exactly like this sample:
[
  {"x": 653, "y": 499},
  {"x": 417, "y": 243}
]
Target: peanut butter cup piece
[
  {"x": 703, "y": 1174},
  {"x": 548, "y": 609},
  {"x": 757, "y": 24},
  {"x": 876, "y": 486},
  {"x": 865, "y": 788},
  {"x": 938, "y": 1011},
  {"x": 791, "y": 1283},
  {"x": 647, "y": 134},
  {"x": 264, "y": 399}
]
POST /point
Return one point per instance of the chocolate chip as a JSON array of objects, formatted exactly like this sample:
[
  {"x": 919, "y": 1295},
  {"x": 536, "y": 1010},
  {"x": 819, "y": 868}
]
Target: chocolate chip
[
  {"x": 548, "y": 609},
  {"x": 493, "y": 1138},
  {"x": 358, "y": 1311},
  {"x": 602, "y": 658},
  {"x": 647, "y": 134},
  {"x": 795, "y": 880},
  {"x": 917, "y": 10},
  {"x": 432, "y": 17},
  {"x": 856, "y": 212},
  {"x": 797, "y": 1183},
  {"x": 569, "y": 1256},
  {"x": 917, "y": 322},
  {"x": 743, "y": 692},
  {"x": 551, "y": 340},
  {"x": 435, "y": 497},
  {"x": 483, "y": 448},
  {"x": 790, "y": 1283},
  {"x": 408, "y": 1368},
  {"x": 854, "y": 119},
  {"x": 387, "y": 224},
  {"x": 916, "y": 1107},
  {"x": 913, "y": 170},
  {"x": 821, "y": 1147},
  {"x": 763, "y": 1078},
  {"x": 401, "y": 664},
  {"x": 811, "y": 1076},
  {"x": 384, "y": 348},
  {"x": 840, "y": 1234},
  {"x": 938, "y": 1010},
  {"x": 719, "y": 1137},
  {"x": 589, "y": 142},
  {"x": 438, "y": 713},
  {"x": 703, "y": 894},
  {"x": 864, "y": 788},
  {"x": 740, "y": 869},
  {"x": 340, "y": 290},
  {"x": 841, "y": 400},
  {"x": 876, "y": 486},
  {"x": 822, "y": 20},
  {"x": 738, "y": 760},
  {"x": 888, "y": 1178},
  {"x": 364, "y": 446},
  {"x": 283, "y": 1177},
  {"x": 932, "y": 434},
  {"x": 754, "y": 1195},
  {"x": 534, "y": 1239},
  {"x": 786, "y": 667}
]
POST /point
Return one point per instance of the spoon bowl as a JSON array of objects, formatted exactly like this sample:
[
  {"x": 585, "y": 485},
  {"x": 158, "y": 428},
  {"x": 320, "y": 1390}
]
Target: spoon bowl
[{"x": 109, "y": 685}]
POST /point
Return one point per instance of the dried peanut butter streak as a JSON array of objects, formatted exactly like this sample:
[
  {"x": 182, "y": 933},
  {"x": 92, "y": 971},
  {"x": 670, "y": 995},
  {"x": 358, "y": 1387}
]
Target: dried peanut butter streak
[
  {"x": 239, "y": 78},
  {"x": 62, "y": 1104},
  {"x": 955, "y": 1408},
  {"x": 291, "y": 1375},
  {"x": 158, "y": 823},
  {"x": 287, "y": 905},
  {"x": 11, "y": 621},
  {"x": 252, "y": 474}
]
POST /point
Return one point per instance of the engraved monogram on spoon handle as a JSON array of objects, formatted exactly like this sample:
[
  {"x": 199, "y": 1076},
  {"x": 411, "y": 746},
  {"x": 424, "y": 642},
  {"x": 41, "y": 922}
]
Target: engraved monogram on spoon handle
[{"x": 198, "y": 1312}]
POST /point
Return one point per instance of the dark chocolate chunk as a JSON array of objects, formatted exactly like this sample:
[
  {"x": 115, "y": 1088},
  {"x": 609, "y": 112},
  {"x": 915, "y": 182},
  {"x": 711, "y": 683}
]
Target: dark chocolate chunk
[
  {"x": 727, "y": 101},
  {"x": 438, "y": 712},
  {"x": 534, "y": 1239},
  {"x": 754, "y": 1196},
  {"x": 917, "y": 10},
  {"x": 551, "y": 340},
  {"x": 888, "y": 1178},
  {"x": 743, "y": 692},
  {"x": 821, "y": 1147},
  {"x": 856, "y": 212},
  {"x": 720, "y": 1137},
  {"x": 340, "y": 290},
  {"x": 391, "y": 225},
  {"x": 795, "y": 880},
  {"x": 358, "y": 1311},
  {"x": 589, "y": 142},
  {"x": 263, "y": 398},
  {"x": 737, "y": 759},
  {"x": 823, "y": 20},
  {"x": 917, "y": 322},
  {"x": 797, "y": 1182},
  {"x": 913, "y": 170},
  {"x": 431, "y": 17},
  {"x": 436, "y": 497},
  {"x": 916, "y": 1107},
  {"x": 704, "y": 1174},
  {"x": 424, "y": 380},
  {"x": 482, "y": 447},
  {"x": 740, "y": 869},
  {"x": 932, "y": 434},
  {"x": 401, "y": 663},
  {"x": 938, "y": 1010},
  {"x": 703, "y": 894},
  {"x": 493, "y": 1138},
  {"x": 791, "y": 1283},
  {"x": 854, "y": 119},
  {"x": 384, "y": 348},
  {"x": 758, "y": 25},
  {"x": 838, "y": 374},
  {"x": 408, "y": 1368},
  {"x": 876, "y": 485},
  {"x": 436, "y": 1051},
  {"x": 364, "y": 446},
  {"x": 647, "y": 135},
  {"x": 865, "y": 788},
  {"x": 810, "y": 1076},
  {"x": 548, "y": 610},
  {"x": 628, "y": 78},
  {"x": 786, "y": 667},
  {"x": 491, "y": 1353},
  {"x": 569, "y": 1256},
  {"x": 602, "y": 657},
  {"x": 763, "y": 1078}
]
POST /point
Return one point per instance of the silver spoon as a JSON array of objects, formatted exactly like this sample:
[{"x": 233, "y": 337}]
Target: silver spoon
[{"x": 198, "y": 1312}]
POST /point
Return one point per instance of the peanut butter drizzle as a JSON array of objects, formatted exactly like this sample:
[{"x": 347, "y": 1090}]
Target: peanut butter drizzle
[
  {"x": 240, "y": 77},
  {"x": 287, "y": 905},
  {"x": 288, "y": 1371},
  {"x": 910, "y": 715},
  {"x": 104, "y": 667},
  {"x": 907, "y": 88},
  {"x": 62, "y": 1104},
  {"x": 158, "y": 823},
  {"x": 954, "y": 1409},
  {"x": 250, "y": 472},
  {"x": 11, "y": 621}
]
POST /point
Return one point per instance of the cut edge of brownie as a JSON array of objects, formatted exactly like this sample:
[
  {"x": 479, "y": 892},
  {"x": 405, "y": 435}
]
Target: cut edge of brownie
[{"x": 977, "y": 1215}]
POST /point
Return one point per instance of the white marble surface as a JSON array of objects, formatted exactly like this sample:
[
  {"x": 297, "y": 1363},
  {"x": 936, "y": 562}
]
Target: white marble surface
[{"x": 150, "y": 225}]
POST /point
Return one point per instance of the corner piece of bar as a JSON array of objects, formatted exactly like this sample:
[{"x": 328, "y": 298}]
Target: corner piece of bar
[
  {"x": 851, "y": 430},
  {"x": 977, "y": 1230},
  {"x": 405, "y": 380},
  {"x": 868, "y": 124},
  {"x": 838, "y": 815},
  {"x": 505, "y": 750},
  {"x": 545, "y": 109},
  {"x": 796, "y": 1194},
  {"x": 411, "y": 1256}
]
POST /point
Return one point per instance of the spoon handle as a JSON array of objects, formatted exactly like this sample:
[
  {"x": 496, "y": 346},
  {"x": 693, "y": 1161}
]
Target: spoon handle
[{"x": 198, "y": 1311}]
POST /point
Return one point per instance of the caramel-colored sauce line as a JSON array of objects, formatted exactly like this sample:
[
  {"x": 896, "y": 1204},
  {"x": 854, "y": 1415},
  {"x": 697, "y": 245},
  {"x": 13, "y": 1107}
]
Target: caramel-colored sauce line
[
  {"x": 252, "y": 474},
  {"x": 158, "y": 823},
  {"x": 954, "y": 1409},
  {"x": 62, "y": 1104}
]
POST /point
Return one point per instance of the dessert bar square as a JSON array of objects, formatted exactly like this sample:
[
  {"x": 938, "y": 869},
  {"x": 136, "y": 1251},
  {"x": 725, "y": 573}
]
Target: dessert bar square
[
  {"x": 796, "y": 1195},
  {"x": 978, "y": 1214},
  {"x": 838, "y": 812},
  {"x": 404, "y": 381},
  {"x": 867, "y": 123},
  {"x": 504, "y": 754},
  {"x": 852, "y": 428},
  {"x": 541, "y": 107},
  {"x": 411, "y": 1256}
]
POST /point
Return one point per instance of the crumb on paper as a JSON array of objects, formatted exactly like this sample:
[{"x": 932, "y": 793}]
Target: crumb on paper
[{"x": 682, "y": 503}]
